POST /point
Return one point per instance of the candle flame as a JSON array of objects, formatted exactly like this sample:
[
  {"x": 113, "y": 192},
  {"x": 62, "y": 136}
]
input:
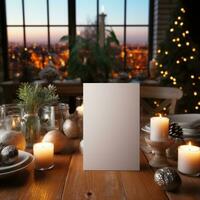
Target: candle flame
[
  {"x": 160, "y": 115},
  {"x": 190, "y": 143}
]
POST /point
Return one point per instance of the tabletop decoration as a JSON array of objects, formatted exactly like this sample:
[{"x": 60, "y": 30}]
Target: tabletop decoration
[
  {"x": 71, "y": 128},
  {"x": 168, "y": 179},
  {"x": 159, "y": 158},
  {"x": 159, "y": 128},
  {"x": 43, "y": 153},
  {"x": 159, "y": 141},
  {"x": 8, "y": 155},
  {"x": 33, "y": 97},
  {"x": 61, "y": 142},
  {"x": 189, "y": 159},
  {"x": 175, "y": 133},
  {"x": 53, "y": 116},
  {"x": 13, "y": 138}
]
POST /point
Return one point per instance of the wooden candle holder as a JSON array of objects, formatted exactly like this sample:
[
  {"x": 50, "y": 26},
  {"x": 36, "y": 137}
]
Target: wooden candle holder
[{"x": 159, "y": 158}]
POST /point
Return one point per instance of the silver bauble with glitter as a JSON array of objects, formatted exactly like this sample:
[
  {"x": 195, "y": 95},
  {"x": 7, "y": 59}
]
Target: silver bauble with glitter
[{"x": 167, "y": 178}]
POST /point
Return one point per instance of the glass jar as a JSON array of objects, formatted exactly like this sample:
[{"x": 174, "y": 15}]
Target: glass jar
[
  {"x": 31, "y": 128},
  {"x": 11, "y": 115},
  {"x": 53, "y": 117}
]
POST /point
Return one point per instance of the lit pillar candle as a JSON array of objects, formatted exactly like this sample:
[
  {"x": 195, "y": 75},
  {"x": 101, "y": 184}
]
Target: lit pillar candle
[
  {"x": 43, "y": 153},
  {"x": 159, "y": 128},
  {"x": 189, "y": 159}
]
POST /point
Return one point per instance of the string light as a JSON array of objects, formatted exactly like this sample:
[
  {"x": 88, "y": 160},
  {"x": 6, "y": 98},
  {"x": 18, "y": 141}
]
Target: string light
[
  {"x": 159, "y": 51},
  {"x": 175, "y": 22},
  {"x": 196, "y": 107},
  {"x": 177, "y": 39},
  {"x": 179, "y": 45},
  {"x": 161, "y": 72},
  {"x": 195, "y": 93},
  {"x": 191, "y": 57},
  {"x": 193, "y": 84},
  {"x": 182, "y": 10},
  {"x": 187, "y": 32},
  {"x": 183, "y": 34},
  {"x": 185, "y": 59},
  {"x": 166, "y": 52},
  {"x": 199, "y": 103},
  {"x": 181, "y": 24},
  {"x": 187, "y": 43},
  {"x": 185, "y": 111},
  {"x": 160, "y": 65},
  {"x": 177, "y": 62},
  {"x": 174, "y": 40},
  {"x": 192, "y": 76},
  {"x": 171, "y": 30},
  {"x": 171, "y": 77},
  {"x": 156, "y": 63},
  {"x": 180, "y": 88},
  {"x": 179, "y": 18},
  {"x": 193, "y": 49}
]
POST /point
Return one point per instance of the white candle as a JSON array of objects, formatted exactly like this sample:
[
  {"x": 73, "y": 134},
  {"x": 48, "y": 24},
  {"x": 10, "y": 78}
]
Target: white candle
[
  {"x": 43, "y": 153},
  {"x": 80, "y": 110},
  {"x": 159, "y": 128},
  {"x": 189, "y": 159}
]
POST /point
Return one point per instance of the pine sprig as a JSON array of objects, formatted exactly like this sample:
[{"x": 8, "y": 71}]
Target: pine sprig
[{"x": 33, "y": 97}]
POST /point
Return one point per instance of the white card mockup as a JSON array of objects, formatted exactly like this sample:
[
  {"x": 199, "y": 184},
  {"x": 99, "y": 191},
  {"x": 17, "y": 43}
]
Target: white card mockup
[{"x": 111, "y": 126}]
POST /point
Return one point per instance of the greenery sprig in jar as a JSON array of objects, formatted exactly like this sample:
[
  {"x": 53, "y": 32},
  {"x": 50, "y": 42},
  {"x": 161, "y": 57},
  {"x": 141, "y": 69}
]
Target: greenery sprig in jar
[{"x": 32, "y": 97}]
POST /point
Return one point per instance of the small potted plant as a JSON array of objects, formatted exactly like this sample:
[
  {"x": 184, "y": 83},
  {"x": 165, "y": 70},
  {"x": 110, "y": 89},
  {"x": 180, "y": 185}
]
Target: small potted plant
[{"x": 32, "y": 97}]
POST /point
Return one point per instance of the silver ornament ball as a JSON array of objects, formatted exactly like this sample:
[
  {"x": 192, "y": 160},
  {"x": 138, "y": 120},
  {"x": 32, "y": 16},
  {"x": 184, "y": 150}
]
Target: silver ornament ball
[
  {"x": 167, "y": 178},
  {"x": 71, "y": 129}
]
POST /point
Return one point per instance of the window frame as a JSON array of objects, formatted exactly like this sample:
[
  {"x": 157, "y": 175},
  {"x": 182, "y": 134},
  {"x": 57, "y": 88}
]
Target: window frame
[{"x": 71, "y": 25}]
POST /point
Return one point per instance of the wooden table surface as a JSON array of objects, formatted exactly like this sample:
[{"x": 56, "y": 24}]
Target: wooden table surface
[{"x": 67, "y": 180}]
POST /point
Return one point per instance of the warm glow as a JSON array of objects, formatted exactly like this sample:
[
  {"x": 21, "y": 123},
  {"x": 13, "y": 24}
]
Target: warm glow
[
  {"x": 182, "y": 10},
  {"x": 190, "y": 143},
  {"x": 192, "y": 76},
  {"x": 179, "y": 45}
]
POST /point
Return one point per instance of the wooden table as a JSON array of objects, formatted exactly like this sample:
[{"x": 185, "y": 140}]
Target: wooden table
[{"x": 67, "y": 180}]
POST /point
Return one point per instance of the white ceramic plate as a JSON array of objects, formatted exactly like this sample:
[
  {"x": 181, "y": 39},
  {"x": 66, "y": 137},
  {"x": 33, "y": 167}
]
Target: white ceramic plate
[
  {"x": 22, "y": 158},
  {"x": 189, "y": 121},
  {"x": 24, "y": 166}
]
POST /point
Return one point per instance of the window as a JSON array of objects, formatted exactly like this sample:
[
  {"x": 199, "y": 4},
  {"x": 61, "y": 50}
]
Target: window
[
  {"x": 34, "y": 29},
  {"x": 130, "y": 21}
]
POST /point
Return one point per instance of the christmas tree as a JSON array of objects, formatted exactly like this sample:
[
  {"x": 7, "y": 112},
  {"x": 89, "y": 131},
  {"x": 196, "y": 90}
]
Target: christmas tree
[{"x": 178, "y": 63}]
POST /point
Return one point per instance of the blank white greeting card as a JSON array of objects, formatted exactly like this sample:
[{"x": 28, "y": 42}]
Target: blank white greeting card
[{"x": 111, "y": 126}]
